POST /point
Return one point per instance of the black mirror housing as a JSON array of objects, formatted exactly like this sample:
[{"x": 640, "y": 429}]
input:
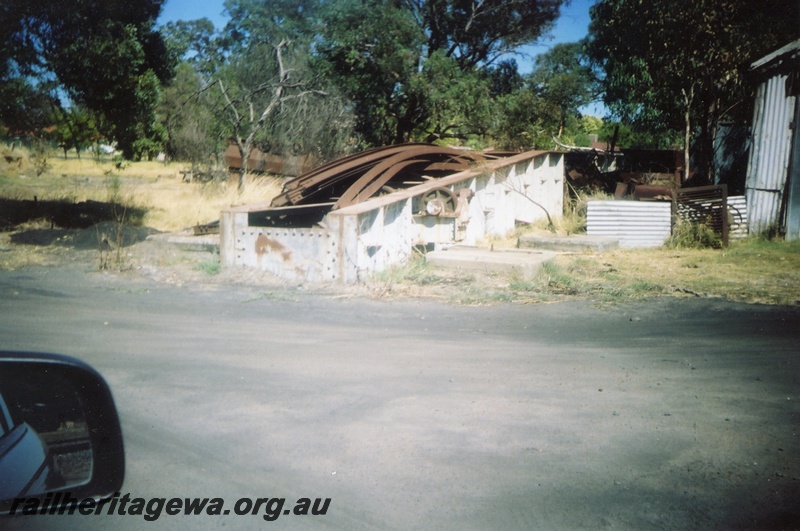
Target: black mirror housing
[{"x": 57, "y": 420}]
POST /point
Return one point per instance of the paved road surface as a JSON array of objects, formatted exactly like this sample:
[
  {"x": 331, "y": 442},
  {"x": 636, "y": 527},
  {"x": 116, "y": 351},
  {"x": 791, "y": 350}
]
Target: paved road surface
[{"x": 406, "y": 414}]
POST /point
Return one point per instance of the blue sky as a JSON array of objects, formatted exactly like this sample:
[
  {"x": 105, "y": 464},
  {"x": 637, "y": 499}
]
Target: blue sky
[{"x": 175, "y": 10}]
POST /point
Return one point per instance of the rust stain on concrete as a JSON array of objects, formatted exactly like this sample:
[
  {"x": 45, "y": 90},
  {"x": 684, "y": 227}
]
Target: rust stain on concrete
[{"x": 266, "y": 245}]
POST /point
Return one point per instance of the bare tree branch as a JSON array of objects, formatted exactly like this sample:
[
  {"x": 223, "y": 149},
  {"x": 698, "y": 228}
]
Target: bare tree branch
[{"x": 283, "y": 89}]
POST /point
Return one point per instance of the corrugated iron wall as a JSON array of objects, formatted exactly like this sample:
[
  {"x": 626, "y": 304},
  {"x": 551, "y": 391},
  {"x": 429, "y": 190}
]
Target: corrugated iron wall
[
  {"x": 635, "y": 224},
  {"x": 770, "y": 153}
]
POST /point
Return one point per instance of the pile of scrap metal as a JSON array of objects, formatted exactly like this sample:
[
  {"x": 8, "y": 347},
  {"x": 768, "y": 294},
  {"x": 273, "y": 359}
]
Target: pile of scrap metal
[
  {"x": 652, "y": 175},
  {"x": 306, "y": 199},
  {"x": 648, "y": 174},
  {"x": 590, "y": 167},
  {"x": 639, "y": 174}
]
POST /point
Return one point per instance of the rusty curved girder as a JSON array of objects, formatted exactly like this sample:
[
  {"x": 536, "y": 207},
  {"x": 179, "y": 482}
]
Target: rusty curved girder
[
  {"x": 380, "y": 174},
  {"x": 359, "y": 177}
]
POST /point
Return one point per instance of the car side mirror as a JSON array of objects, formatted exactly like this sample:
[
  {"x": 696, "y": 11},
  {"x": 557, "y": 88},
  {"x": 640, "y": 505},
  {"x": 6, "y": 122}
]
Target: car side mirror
[{"x": 59, "y": 433}]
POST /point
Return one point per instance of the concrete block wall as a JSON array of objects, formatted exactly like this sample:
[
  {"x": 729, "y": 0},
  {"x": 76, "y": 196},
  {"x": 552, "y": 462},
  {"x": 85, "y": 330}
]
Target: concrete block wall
[
  {"x": 511, "y": 193},
  {"x": 354, "y": 242}
]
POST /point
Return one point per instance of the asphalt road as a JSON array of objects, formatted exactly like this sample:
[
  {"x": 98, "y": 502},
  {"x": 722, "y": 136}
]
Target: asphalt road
[{"x": 671, "y": 413}]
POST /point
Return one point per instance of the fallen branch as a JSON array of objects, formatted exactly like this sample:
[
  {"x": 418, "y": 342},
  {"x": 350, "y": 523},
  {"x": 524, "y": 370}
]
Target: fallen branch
[{"x": 550, "y": 225}]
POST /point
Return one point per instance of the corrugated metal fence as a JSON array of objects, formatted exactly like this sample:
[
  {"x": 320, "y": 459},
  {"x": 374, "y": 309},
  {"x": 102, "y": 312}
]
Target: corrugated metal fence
[
  {"x": 737, "y": 208},
  {"x": 640, "y": 224},
  {"x": 706, "y": 205},
  {"x": 633, "y": 223}
]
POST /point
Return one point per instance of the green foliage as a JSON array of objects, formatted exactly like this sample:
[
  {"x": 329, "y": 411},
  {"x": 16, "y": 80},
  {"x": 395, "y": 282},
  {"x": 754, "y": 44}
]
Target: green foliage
[
  {"x": 40, "y": 156},
  {"x": 547, "y": 104},
  {"x": 372, "y": 54},
  {"x": 421, "y": 70},
  {"x": 270, "y": 97},
  {"x": 194, "y": 42},
  {"x": 76, "y": 128},
  {"x": 457, "y": 103},
  {"x": 391, "y": 71},
  {"x": 525, "y": 121},
  {"x": 416, "y": 271},
  {"x": 25, "y": 107},
  {"x": 142, "y": 136},
  {"x": 505, "y": 78},
  {"x": 637, "y": 137},
  {"x": 257, "y": 21},
  {"x": 591, "y": 124},
  {"x": 477, "y": 33},
  {"x": 210, "y": 267},
  {"x": 556, "y": 280},
  {"x": 114, "y": 187},
  {"x": 582, "y": 277},
  {"x": 101, "y": 54},
  {"x": 237, "y": 89},
  {"x": 186, "y": 114},
  {"x": 561, "y": 78}
]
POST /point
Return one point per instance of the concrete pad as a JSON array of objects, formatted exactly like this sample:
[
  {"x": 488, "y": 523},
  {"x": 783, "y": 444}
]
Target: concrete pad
[
  {"x": 576, "y": 242},
  {"x": 476, "y": 259},
  {"x": 208, "y": 243}
]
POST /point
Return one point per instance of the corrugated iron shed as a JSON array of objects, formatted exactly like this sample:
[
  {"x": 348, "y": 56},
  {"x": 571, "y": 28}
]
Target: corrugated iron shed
[{"x": 773, "y": 171}]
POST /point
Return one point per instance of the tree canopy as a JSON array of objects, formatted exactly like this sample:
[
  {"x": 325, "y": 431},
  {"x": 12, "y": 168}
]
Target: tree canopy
[
  {"x": 381, "y": 72},
  {"x": 563, "y": 79},
  {"x": 388, "y": 57},
  {"x": 682, "y": 64},
  {"x": 103, "y": 54},
  {"x": 478, "y": 32}
]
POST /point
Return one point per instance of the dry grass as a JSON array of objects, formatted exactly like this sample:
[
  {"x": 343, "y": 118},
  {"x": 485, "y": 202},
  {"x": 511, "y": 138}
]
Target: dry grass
[
  {"x": 752, "y": 270},
  {"x": 171, "y": 204}
]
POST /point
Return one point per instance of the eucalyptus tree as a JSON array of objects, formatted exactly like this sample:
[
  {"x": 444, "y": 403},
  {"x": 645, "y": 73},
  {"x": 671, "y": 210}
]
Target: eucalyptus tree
[
  {"x": 267, "y": 97},
  {"x": 683, "y": 64},
  {"x": 563, "y": 79},
  {"x": 404, "y": 62}
]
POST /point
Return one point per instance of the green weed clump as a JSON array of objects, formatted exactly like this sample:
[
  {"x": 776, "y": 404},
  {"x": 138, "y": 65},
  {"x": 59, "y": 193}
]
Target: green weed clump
[
  {"x": 417, "y": 271},
  {"x": 210, "y": 267},
  {"x": 688, "y": 235}
]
